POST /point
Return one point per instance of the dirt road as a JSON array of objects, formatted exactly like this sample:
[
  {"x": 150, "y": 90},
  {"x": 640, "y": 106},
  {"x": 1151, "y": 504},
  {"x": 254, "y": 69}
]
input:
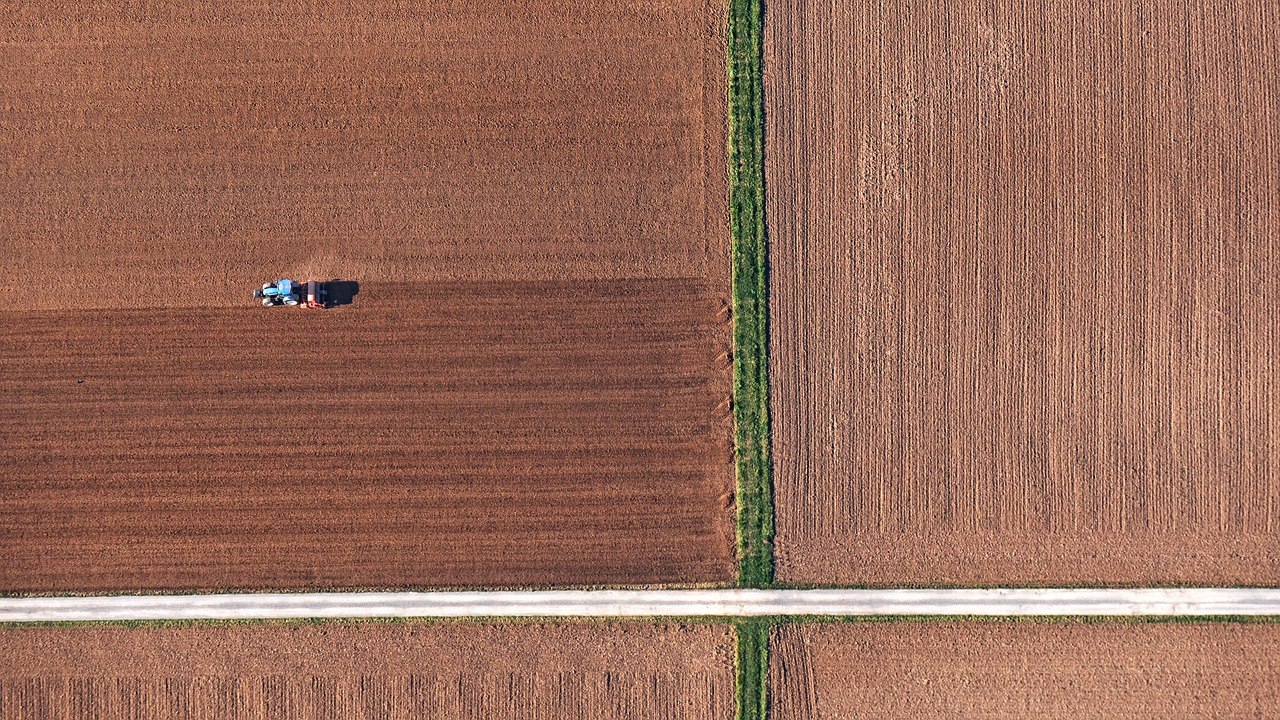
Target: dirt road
[{"x": 651, "y": 603}]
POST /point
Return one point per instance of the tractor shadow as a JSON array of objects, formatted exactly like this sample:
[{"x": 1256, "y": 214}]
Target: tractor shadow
[{"x": 341, "y": 292}]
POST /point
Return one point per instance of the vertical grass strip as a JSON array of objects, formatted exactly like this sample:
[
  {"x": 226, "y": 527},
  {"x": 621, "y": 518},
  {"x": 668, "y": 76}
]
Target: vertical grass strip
[
  {"x": 753, "y": 670},
  {"x": 750, "y": 295}
]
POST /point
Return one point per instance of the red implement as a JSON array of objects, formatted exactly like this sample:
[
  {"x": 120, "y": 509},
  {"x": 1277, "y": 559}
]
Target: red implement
[{"x": 317, "y": 296}]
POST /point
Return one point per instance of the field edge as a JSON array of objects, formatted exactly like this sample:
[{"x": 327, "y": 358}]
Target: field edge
[
  {"x": 752, "y": 669},
  {"x": 750, "y": 295}
]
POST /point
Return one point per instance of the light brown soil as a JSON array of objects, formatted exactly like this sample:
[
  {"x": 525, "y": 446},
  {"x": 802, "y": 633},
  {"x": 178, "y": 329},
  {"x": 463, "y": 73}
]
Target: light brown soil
[
  {"x": 1025, "y": 291},
  {"x": 386, "y": 671},
  {"x": 532, "y": 384},
  {"x": 995, "y": 670},
  {"x": 181, "y": 153},
  {"x": 435, "y": 434}
]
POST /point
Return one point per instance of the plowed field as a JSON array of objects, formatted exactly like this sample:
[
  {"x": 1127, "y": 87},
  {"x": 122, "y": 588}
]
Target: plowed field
[
  {"x": 385, "y": 671},
  {"x": 995, "y": 670},
  {"x": 1025, "y": 291},
  {"x": 531, "y": 385},
  {"x": 460, "y": 434}
]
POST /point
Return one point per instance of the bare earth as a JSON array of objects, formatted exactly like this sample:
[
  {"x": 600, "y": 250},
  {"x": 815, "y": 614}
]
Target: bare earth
[
  {"x": 997, "y": 670},
  {"x": 179, "y": 153},
  {"x": 433, "y": 434},
  {"x": 388, "y": 671},
  {"x": 1025, "y": 292},
  {"x": 531, "y": 385}
]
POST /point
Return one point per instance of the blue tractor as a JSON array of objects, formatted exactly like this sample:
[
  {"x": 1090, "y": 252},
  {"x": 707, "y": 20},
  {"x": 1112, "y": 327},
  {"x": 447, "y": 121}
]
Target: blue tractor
[
  {"x": 280, "y": 292},
  {"x": 311, "y": 294}
]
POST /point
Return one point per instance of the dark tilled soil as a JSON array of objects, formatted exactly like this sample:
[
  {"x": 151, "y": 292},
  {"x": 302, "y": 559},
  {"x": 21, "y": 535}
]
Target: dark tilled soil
[{"x": 428, "y": 435}]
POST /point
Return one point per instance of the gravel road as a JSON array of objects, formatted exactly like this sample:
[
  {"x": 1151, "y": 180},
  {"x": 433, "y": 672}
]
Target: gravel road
[{"x": 643, "y": 603}]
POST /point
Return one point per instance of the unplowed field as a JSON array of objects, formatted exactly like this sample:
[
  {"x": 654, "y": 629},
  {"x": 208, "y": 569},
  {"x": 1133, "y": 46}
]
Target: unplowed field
[
  {"x": 531, "y": 385},
  {"x": 385, "y": 671},
  {"x": 180, "y": 152},
  {"x": 1025, "y": 291},
  {"x": 995, "y": 670}
]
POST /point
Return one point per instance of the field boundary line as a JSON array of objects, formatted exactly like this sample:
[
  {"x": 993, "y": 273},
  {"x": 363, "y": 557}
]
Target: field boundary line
[
  {"x": 754, "y": 498},
  {"x": 1198, "y": 602},
  {"x": 752, "y": 669}
]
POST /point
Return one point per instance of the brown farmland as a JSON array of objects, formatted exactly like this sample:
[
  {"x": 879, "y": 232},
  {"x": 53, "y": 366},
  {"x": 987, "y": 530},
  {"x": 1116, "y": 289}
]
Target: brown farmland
[
  {"x": 379, "y": 670},
  {"x": 531, "y": 385},
  {"x": 1025, "y": 291},
  {"x": 199, "y": 147},
  {"x": 1041, "y": 669},
  {"x": 433, "y": 434}
]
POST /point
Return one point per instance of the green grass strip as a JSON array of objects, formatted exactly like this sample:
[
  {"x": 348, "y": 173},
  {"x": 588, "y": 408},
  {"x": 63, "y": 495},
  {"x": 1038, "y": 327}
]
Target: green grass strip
[
  {"x": 750, "y": 295},
  {"x": 753, "y": 670}
]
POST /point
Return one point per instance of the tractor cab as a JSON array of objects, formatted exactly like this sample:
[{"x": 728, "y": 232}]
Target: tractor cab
[{"x": 280, "y": 292}]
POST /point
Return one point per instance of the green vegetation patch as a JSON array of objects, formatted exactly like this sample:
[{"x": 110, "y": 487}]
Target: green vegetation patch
[
  {"x": 750, "y": 295},
  {"x": 753, "y": 670}
]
